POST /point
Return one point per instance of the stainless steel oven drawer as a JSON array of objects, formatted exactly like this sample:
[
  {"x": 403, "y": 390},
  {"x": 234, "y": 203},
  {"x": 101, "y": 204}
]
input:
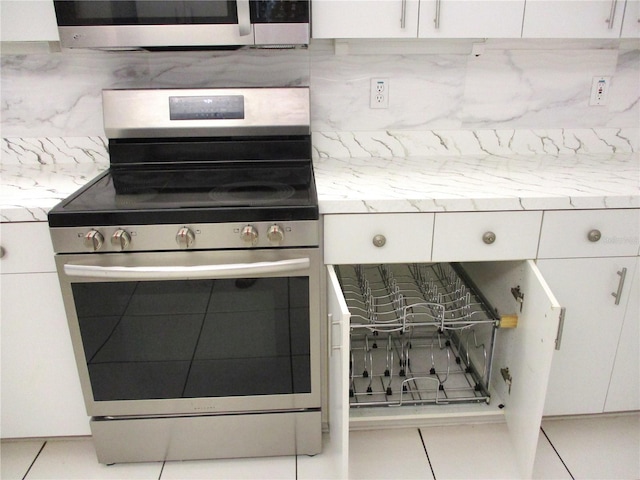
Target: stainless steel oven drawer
[{"x": 205, "y": 437}]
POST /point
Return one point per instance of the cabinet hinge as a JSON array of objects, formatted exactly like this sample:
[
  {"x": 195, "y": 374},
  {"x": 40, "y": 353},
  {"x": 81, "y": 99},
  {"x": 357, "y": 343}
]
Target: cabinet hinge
[
  {"x": 518, "y": 295},
  {"x": 506, "y": 376}
]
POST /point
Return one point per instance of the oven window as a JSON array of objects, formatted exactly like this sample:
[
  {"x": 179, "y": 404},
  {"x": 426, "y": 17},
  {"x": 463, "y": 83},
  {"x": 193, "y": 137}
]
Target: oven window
[
  {"x": 195, "y": 338},
  {"x": 145, "y": 12}
]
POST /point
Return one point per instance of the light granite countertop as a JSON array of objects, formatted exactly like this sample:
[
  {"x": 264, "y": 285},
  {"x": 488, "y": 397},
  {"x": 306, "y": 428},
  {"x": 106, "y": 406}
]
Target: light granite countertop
[
  {"x": 28, "y": 192},
  {"x": 478, "y": 183},
  {"x": 374, "y": 184}
]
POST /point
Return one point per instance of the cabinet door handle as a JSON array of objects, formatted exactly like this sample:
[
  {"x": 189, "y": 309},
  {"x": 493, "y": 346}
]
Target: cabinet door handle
[
  {"x": 436, "y": 20},
  {"x": 623, "y": 275},
  {"x": 403, "y": 15},
  {"x": 563, "y": 311},
  {"x": 612, "y": 13},
  {"x": 332, "y": 324},
  {"x": 594, "y": 235},
  {"x": 489, "y": 238},
  {"x": 379, "y": 240}
]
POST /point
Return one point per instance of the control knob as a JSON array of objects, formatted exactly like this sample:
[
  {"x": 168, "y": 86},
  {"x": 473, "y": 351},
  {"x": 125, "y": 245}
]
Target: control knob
[
  {"x": 93, "y": 240},
  {"x": 121, "y": 239},
  {"x": 275, "y": 234},
  {"x": 249, "y": 235},
  {"x": 185, "y": 237}
]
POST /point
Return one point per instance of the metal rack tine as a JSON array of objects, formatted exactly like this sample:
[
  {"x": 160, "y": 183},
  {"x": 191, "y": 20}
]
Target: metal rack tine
[{"x": 422, "y": 316}]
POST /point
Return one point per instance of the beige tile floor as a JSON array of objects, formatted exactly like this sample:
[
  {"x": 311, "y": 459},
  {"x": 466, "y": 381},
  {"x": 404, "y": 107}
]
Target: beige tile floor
[{"x": 592, "y": 447}]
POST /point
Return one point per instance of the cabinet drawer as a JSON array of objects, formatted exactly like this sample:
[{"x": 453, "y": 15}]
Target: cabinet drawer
[
  {"x": 26, "y": 248},
  {"x": 403, "y": 237},
  {"x": 589, "y": 233},
  {"x": 486, "y": 236}
]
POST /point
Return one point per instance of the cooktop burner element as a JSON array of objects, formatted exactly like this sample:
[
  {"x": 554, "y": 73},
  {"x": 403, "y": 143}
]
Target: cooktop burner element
[{"x": 252, "y": 193}]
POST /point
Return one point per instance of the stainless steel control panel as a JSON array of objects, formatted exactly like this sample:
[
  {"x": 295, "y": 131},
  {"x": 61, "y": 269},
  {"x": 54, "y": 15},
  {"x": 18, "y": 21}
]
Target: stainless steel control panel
[{"x": 209, "y": 236}]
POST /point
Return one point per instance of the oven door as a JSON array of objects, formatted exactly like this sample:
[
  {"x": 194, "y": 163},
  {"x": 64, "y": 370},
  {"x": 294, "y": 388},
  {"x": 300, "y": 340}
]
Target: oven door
[
  {"x": 173, "y": 23},
  {"x": 166, "y": 333}
]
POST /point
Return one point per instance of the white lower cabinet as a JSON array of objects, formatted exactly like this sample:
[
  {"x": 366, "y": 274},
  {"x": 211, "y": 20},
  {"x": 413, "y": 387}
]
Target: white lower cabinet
[
  {"x": 383, "y": 237},
  {"x": 589, "y": 258},
  {"x": 624, "y": 387},
  {"x": 519, "y": 370},
  {"x": 338, "y": 376},
  {"x": 475, "y": 236},
  {"x": 41, "y": 394},
  {"x": 581, "y": 373}
]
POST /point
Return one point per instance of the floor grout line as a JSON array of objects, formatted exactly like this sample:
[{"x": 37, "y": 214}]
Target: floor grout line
[
  {"x": 433, "y": 474},
  {"x": 34, "y": 461},
  {"x": 557, "y": 453},
  {"x": 162, "y": 469}
]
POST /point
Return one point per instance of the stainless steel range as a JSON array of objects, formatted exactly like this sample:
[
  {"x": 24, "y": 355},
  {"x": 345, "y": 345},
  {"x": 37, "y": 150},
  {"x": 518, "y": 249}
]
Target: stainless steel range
[{"x": 190, "y": 272}]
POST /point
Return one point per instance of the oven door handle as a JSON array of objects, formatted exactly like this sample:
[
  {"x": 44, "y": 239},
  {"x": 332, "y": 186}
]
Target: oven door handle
[{"x": 187, "y": 272}]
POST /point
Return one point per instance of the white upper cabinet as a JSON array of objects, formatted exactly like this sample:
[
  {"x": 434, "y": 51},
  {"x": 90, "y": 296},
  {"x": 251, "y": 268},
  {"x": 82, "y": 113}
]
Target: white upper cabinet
[
  {"x": 475, "y": 18},
  {"x": 470, "y": 18},
  {"x": 364, "y": 18},
  {"x": 28, "y": 21},
  {"x": 573, "y": 18},
  {"x": 631, "y": 20}
]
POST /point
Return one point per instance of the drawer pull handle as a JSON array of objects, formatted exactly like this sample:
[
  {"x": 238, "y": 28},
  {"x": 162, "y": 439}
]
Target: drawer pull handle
[
  {"x": 379, "y": 240},
  {"x": 489, "y": 238},
  {"x": 2, "y": 252},
  {"x": 623, "y": 275},
  {"x": 594, "y": 235}
]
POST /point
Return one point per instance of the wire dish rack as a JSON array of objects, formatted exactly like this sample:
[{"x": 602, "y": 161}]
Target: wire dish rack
[{"x": 419, "y": 334}]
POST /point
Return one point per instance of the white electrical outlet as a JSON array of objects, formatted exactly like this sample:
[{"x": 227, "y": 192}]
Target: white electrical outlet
[
  {"x": 379, "y": 96},
  {"x": 599, "y": 90}
]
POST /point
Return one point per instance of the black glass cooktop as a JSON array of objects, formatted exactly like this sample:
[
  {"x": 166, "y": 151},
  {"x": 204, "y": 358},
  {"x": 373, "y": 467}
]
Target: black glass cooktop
[{"x": 226, "y": 192}]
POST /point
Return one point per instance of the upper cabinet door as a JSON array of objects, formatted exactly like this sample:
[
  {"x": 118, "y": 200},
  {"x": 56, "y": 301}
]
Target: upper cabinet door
[
  {"x": 364, "y": 18},
  {"x": 32, "y": 21},
  {"x": 471, "y": 18},
  {"x": 573, "y": 19},
  {"x": 631, "y": 20}
]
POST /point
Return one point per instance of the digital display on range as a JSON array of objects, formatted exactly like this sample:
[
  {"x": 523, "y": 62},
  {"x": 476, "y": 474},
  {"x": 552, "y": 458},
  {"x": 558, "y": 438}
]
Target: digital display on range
[{"x": 219, "y": 107}]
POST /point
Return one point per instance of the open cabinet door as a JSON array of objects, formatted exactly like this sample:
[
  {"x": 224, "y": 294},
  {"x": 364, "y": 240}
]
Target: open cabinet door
[
  {"x": 526, "y": 350},
  {"x": 338, "y": 329}
]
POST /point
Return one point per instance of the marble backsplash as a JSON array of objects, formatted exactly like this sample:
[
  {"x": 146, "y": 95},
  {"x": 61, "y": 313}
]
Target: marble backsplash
[
  {"x": 380, "y": 144},
  {"x": 518, "y": 97},
  {"x": 497, "y": 142},
  {"x": 54, "y": 150},
  {"x": 60, "y": 94},
  {"x": 512, "y": 85}
]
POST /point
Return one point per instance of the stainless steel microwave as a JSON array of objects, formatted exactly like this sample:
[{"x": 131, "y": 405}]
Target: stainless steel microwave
[{"x": 178, "y": 24}]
